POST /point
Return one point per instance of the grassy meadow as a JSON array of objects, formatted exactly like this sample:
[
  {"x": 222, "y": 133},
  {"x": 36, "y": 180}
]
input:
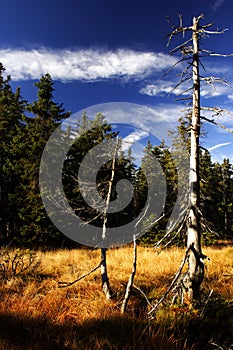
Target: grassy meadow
[{"x": 36, "y": 314}]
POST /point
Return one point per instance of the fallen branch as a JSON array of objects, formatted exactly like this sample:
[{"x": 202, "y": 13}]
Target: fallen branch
[
  {"x": 68, "y": 284},
  {"x": 207, "y": 300},
  {"x": 177, "y": 275},
  {"x": 141, "y": 291},
  {"x": 168, "y": 235}
]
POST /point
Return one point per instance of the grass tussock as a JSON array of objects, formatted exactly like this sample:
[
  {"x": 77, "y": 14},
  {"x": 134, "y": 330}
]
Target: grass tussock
[{"x": 36, "y": 314}]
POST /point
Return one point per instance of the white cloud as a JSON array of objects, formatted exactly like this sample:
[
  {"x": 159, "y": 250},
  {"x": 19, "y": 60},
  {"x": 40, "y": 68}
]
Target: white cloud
[
  {"x": 155, "y": 120},
  {"x": 163, "y": 87},
  {"x": 219, "y": 145},
  {"x": 132, "y": 141},
  {"x": 213, "y": 68},
  {"x": 209, "y": 91},
  {"x": 217, "y": 4},
  {"x": 133, "y": 137},
  {"x": 219, "y": 156},
  {"x": 84, "y": 65},
  {"x": 230, "y": 96}
]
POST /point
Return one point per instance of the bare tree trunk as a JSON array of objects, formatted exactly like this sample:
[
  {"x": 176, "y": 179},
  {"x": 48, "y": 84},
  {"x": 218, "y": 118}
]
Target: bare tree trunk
[
  {"x": 131, "y": 278},
  {"x": 195, "y": 265},
  {"x": 105, "y": 218},
  {"x": 104, "y": 275},
  {"x": 192, "y": 279},
  {"x": 103, "y": 264}
]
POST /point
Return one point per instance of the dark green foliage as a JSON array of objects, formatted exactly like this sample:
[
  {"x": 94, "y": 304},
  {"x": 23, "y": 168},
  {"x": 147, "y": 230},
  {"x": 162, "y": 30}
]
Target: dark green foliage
[
  {"x": 216, "y": 198},
  {"x": 164, "y": 156},
  {"x": 24, "y": 131},
  {"x": 12, "y": 108},
  {"x": 23, "y": 217},
  {"x": 46, "y": 116},
  {"x": 93, "y": 133}
]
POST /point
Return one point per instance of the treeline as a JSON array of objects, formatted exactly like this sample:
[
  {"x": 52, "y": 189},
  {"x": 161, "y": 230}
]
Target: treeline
[{"x": 24, "y": 130}]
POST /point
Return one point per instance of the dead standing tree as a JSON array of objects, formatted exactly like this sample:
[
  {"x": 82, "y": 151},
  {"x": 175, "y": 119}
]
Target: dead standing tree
[
  {"x": 101, "y": 202},
  {"x": 191, "y": 52},
  {"x": 103, "y": 264},
  {"x": 196, "y": 267}
]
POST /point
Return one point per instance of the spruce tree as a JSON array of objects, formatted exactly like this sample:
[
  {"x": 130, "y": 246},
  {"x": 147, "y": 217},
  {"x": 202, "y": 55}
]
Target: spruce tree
[
  {"x": 227, "y": 198},
  {"x": 44, "y": 116},
  {"x": 12, "y": 108}
]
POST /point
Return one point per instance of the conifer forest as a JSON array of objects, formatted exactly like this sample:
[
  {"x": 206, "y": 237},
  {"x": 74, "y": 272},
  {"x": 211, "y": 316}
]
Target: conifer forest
[
  {"x": 164, "y": 289},
  {"x": 26, "y": 127}
]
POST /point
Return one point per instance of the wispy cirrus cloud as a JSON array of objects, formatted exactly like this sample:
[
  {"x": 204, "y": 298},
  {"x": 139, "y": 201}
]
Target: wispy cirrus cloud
[
  {"x": 134, "y": 136},
  {"x": 83, "y": 64},
  {"x": 217, "y": 4},
  {"x": 219, "y": 145},
  {"x": 163, "y": 87},
  {"x": 221, "y": 151}
]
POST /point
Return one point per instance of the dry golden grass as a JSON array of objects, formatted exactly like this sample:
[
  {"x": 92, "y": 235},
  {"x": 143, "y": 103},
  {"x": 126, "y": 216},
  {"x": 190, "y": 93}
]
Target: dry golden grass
[{"x": 36, "y": 314}]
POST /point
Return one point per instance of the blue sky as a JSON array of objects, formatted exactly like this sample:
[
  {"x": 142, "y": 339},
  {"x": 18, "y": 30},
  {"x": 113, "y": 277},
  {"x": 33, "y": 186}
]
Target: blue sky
[{"x": 101, "y": 51}]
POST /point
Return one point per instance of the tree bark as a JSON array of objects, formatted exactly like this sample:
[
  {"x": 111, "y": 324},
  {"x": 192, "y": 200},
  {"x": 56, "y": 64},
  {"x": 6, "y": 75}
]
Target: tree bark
[
  {"x": 103, "y": 264},
  {"x": 131, "y": 278},
  {"x": 195, "y": 265},
  {"x": 104, "y": 275}
]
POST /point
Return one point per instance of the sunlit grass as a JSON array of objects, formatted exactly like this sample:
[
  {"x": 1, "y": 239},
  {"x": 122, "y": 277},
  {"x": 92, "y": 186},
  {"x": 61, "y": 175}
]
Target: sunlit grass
[{"x": 79, "y": 317}]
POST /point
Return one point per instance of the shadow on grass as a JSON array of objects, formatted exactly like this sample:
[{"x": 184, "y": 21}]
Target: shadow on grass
[
  {"x": 181, "y": 332},
  {"x": 23, "y": 333}
]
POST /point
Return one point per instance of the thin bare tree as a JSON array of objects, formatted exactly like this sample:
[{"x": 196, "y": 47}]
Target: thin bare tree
[
  {"x": 103, "y": 264},
  {"x": 191, "y": 54},
  {"x": 130, "y": 283},
  {"x": 88, "y": 188}
]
